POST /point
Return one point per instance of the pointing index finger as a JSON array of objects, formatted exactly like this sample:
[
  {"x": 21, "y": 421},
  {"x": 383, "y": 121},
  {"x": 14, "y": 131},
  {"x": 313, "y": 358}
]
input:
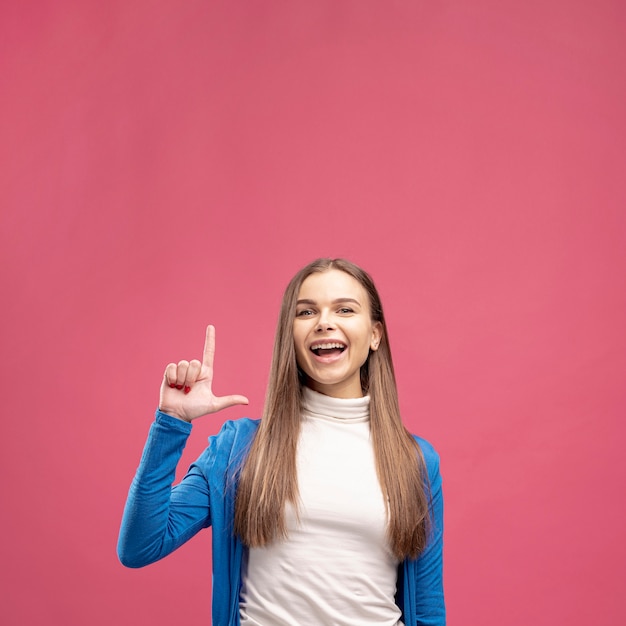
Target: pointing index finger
[{"x": 209, "y": 347}]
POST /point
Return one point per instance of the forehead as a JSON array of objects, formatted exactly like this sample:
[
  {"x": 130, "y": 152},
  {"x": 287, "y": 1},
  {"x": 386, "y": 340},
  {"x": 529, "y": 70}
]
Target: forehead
[{"x": 331, "y": 285}]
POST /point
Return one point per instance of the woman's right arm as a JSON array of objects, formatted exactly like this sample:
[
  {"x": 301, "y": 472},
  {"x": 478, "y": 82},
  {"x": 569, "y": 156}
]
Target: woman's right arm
[{"x": 158, "y": 518}]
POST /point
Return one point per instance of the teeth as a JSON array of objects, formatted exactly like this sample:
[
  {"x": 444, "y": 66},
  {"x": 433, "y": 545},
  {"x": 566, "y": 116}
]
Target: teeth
[{"x": 327, "y": 346}]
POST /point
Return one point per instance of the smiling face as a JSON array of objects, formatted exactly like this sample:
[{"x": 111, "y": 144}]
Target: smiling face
[{"x": 333, "y": 332}]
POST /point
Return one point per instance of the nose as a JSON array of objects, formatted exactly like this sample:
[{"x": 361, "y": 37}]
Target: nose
[{"x": 324, "y": 322}]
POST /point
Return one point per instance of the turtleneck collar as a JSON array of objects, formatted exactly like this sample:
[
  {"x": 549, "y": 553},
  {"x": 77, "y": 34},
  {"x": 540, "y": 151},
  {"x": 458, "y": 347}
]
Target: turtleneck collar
[{"x": 348, "y": 410}]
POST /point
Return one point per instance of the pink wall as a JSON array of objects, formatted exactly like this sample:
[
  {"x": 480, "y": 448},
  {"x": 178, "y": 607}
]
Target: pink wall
[{"x": 168, "y": 164}]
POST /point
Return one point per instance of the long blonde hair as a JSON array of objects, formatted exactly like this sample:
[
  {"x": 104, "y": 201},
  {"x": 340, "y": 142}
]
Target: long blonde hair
[{"x": 269, "y": 477}]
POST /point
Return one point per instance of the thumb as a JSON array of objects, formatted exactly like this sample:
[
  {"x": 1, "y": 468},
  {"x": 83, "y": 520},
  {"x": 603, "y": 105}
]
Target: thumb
[{"x": 223, "y": 402}]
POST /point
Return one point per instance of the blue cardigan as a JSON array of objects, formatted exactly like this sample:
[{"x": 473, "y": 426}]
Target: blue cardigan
[{"x": 158, "y": 518}]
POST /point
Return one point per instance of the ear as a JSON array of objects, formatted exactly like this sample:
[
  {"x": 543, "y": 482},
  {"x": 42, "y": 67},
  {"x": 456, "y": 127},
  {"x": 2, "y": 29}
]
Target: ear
[{"x": 377, "y": 335}]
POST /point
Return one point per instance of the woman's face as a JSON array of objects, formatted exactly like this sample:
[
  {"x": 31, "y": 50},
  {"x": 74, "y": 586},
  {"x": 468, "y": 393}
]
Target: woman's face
[{"x": 333, "y": 333}]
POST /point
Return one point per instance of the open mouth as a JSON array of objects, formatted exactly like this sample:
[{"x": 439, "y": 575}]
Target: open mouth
[{"x": 330, "y": 348}]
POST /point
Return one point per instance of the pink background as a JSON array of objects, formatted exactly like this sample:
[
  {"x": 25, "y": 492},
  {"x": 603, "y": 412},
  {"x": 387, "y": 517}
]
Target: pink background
[{"x": 164, "y": 165}]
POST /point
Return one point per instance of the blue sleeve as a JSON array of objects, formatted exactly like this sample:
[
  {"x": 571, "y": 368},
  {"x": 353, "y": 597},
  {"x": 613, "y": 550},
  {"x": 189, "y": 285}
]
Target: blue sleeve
[
  {"x": 158, "y": 518},
  {"x": 429, "y": 599}
]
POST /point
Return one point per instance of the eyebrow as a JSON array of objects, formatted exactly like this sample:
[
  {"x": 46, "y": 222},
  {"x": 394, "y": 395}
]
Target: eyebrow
[{"x": 337, "y": 301}]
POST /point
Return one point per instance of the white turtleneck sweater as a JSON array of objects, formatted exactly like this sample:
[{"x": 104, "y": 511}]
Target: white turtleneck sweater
[{"x": 335, "y": 568}]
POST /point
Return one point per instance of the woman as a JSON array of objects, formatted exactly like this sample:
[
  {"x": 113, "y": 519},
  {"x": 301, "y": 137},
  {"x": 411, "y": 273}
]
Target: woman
[{"x": 325, "y": 511}]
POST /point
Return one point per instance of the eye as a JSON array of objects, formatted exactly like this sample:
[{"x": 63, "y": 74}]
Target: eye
[
  {"x": 345, "y": 310},
  {"x": 304, "y": 313}
]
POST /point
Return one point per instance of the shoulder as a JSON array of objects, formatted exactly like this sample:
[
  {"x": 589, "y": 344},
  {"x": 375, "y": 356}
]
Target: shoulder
[
  {"x": 226, "y": 451},
  {"x": 231, "y": 444},
  {"x": 431, "y": 457},
  {"x": 235, "y": 433},
  {"x": 232, "y": 428}
]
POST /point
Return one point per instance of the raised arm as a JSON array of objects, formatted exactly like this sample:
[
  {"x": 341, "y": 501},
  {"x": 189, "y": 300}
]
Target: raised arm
[{"x": 158, "y": 518}]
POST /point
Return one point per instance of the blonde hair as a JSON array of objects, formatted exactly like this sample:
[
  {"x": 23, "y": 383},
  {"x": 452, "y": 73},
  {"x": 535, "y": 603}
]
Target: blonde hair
[{"x": 269, "y": 479}]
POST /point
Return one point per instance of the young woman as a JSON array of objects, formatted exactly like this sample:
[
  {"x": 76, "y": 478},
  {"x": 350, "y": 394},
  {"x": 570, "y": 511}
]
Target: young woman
[{"x": 325, "y": 511}]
